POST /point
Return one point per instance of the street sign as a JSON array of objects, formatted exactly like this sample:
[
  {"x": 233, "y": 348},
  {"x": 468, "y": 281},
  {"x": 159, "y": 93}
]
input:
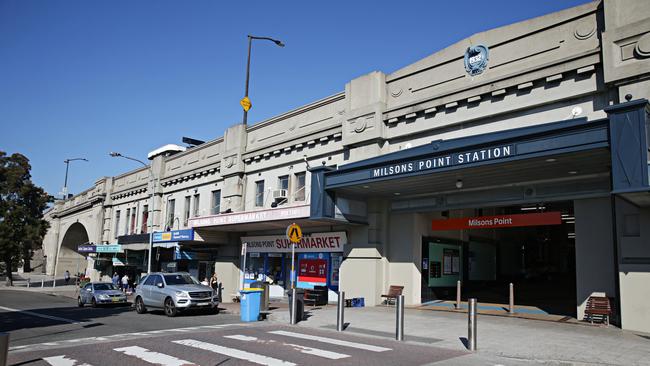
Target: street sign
[
  {"x": 294, "y": 233},
  {"x": 245, "y": 103}
]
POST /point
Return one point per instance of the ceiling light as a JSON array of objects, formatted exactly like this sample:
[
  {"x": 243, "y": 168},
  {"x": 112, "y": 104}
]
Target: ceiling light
[
  {"x": 459, "y": 184},
  {"x": 573, "y": 172},
  {"x": 396, "y": 193},
  {"x": 551, "y": 160},
  {"x": 366, "y": 186},
  {"x": 533, "y": 208}
]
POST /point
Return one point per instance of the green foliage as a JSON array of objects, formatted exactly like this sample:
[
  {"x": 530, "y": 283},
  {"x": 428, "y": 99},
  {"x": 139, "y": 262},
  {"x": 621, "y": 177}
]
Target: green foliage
[{"x": 22, "y": 205}]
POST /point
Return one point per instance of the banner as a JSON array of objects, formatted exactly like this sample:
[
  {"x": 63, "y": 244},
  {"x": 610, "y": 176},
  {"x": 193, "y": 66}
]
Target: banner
[
  {"x": 498, "y": 221},
  {"x": 314, "y": 243}
]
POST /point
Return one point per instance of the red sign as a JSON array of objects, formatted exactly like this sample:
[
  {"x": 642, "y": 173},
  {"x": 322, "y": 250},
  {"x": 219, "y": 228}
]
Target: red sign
[
  {"x": 498, "y": 221},
  {"x": 313, "y": 270}
]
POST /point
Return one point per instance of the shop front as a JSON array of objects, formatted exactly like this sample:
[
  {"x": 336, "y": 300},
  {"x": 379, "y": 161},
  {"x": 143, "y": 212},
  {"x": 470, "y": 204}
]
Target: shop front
[
  {"x": 318, "y": 258},
  {"x": 177, "y": 251}
]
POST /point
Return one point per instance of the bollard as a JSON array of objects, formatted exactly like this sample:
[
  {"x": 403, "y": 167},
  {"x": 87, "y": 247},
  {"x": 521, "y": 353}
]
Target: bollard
[
  {"x": 457, "y": 294},
  {"x": 471, "y": 324},
  {"x": 399, "y": 332},
  {"x": 339, "y": 311},
  {"x": 511, "y": 308},
  {"x": 54, "y": 281},
  {"x": 29, "y": 282},
  {"x": 294, "y": 307},
  {"x": 4, "y": 348},
  {"x": 42, "y": 282}
]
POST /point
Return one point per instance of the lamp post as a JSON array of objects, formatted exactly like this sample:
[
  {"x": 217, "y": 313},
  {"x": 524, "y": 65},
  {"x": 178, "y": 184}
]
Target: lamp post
[
  {"x": 151, "y": 202},
  {"x": 67, "y": 166},
  {"x": 248, "y": 68}
]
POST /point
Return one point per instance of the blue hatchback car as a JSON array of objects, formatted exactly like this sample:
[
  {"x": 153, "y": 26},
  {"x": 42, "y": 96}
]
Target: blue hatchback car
[{"x": 96, "y": 293}]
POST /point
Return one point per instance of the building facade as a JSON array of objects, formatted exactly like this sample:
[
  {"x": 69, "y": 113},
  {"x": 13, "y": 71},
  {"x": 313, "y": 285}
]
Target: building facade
[{"x": 519, "y": 154}]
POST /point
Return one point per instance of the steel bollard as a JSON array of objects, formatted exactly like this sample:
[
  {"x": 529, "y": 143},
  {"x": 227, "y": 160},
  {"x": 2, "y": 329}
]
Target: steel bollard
[
  {"x": 294, "y": 307},
  {"x": 399, "y": 332},
  {"x": 4, "y": 348},
  {"x": 54, "y": 281},
  {"x": 471, "y": 325},
  {"x": 29, "y": 282},
  {"x": 339, "y": 312},
  {"x": 511, "y": 308},
  {"x": 42, "y": 282},
  {"x": 457, "y": 294}
]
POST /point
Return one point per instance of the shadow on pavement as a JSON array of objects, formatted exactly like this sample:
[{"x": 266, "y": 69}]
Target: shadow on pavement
[{"x": 28, "y": 318}]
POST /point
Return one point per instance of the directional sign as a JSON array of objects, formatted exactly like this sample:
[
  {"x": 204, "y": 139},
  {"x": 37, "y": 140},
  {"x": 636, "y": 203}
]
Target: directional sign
[
  {"x": 245, "y": 103},
  {"x": 294, "y": 233}
]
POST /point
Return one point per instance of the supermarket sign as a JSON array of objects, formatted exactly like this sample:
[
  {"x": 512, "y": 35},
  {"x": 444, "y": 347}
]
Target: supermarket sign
[{"x": 310, "y": 243}]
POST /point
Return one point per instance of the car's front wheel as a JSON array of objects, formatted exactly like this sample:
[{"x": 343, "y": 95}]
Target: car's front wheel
[
  {"x": 139, "y": 306},
  {"x": 80, "y": 303},
  {"x": 170, "y": 308},
  {"x": 93, "y": 302}
]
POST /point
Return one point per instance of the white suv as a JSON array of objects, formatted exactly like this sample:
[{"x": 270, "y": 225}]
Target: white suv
[{"x": 174, "y": 292}]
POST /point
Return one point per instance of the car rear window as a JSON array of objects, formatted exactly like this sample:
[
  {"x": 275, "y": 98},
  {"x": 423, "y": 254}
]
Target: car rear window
[{"x": 179, "y": 279}]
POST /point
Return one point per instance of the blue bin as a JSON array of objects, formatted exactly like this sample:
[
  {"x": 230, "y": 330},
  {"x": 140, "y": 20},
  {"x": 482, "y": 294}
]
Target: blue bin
[{"x": 250, "y": 304}]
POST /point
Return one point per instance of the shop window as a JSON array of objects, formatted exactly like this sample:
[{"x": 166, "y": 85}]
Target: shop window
[
  {"x": 197, "y": 198},
  {"x": 259, "y": 193},
  {"x": 171, "y": 207},
  {"x": 145, "y": 219},
  {"x": 299, "y": 193},
  {"x": 186, "y": 211},
  {"x": 216, "y": 202},
  {"x": 117, "y": 223}
]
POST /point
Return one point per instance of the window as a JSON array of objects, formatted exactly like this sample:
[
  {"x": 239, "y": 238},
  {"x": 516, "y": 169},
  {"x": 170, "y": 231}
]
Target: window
[
  {"x": 117, "y": 223},
  {"x": 299, "y": 193},
  {"x": 196, "y": 212},
  {"x": 259, "y": 193},
  {"x": 171, "y": 207},
  {"x": 133, "y": 220},
  {"x": 150, "y": 281},
  {"x": 179, "y": 279},
  {"x": 283, "y": 182},
  {"x": 127, "y": 217},
  {"x": 145, "y": 219},
  {"x": 216, "y": 203},
  {"x": 186, "y": 211}
]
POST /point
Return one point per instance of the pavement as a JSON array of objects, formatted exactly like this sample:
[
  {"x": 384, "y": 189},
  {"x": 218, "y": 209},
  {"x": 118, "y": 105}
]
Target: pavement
[{"x": 501, "y": 340}]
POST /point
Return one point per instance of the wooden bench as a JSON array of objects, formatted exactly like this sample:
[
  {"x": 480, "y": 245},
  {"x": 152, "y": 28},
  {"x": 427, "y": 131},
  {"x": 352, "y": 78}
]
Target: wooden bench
[
  {"x": 598, "y": 306},
  {"x": 393, "y": 292}
]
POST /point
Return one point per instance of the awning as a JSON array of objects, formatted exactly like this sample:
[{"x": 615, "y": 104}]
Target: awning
[
  {"x": 135, "y": 246},
  {"x": 173, "y": 244}
]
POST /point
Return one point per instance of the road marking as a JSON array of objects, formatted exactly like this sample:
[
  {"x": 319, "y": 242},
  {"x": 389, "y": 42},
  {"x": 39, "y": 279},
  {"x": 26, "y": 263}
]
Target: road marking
[
  {"x": 114, "y": 337},
  {"x": 240, "y": 337},
  {"x": 337, "y": 342},
  {"x": 307, "y": 350},
  {"x": 27, "y": 312},
  {"x": 231, "y": 352},
  {"x": 155, "y": 358},
  {"x": 63, "y": 361}
]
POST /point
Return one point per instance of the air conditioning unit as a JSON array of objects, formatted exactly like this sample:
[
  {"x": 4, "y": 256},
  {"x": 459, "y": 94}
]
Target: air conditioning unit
[{"x": 280, "y": 194}]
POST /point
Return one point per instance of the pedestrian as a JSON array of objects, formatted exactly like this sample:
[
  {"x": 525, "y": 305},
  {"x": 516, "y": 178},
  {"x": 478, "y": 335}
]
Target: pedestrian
[
  {"x": 205, "y": 282},
  {"x": 66, "y": 276},
  {"x": 116, "y": 279},
  {"x": 125, "y": 282},
  {"x": 214, "y": 283}
]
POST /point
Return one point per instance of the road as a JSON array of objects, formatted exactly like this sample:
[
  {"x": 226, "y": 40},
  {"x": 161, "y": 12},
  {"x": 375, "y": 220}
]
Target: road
[{"x": 51, "y": 330}]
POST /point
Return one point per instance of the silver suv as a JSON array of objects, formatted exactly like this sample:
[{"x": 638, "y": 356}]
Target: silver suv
[{"x": 174, "y": 292}]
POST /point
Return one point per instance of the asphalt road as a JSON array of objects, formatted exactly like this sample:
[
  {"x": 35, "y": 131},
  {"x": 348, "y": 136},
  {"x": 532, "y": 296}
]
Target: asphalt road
[
  {"x": 33, "y": 318},
  {"x": 237, "y": 344}
]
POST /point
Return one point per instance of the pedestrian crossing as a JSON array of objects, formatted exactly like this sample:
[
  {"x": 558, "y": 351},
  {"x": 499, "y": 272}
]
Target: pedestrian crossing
[{"x": 252, "y": 349}]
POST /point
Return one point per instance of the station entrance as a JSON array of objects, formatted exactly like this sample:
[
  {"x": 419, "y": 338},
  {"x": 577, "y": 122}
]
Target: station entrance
[{"x": 531, "y": 246}]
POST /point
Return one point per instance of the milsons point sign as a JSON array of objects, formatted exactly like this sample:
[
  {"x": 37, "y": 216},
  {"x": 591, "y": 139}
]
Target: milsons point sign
[{"x": 443, "y": 161}]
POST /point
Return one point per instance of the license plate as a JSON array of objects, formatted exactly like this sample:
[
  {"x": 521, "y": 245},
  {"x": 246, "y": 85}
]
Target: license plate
[
  {"x": 203, "y": 304},
  {"x": 116, "y": 299}
]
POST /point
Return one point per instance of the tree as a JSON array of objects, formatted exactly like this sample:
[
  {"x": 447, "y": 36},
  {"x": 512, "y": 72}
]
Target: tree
[{"x": 22, "y": 204}]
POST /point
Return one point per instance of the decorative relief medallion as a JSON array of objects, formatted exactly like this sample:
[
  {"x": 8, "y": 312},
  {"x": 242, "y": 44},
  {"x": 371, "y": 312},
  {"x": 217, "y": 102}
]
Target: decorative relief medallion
[
  {"x": 396, "y": 93},
  {"x": 642, "y": 47},
  {"x": 229, "y": 161},
  {"x": 585, "y": 29},
  {"x": 360, "y": 125},
  {"x": 476, "y": 59}
]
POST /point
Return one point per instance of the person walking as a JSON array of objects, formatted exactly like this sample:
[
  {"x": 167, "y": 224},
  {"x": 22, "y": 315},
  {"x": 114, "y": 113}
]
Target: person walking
[
  {"x": 116, "y": 279},
  {"x": 66, "y": 276},
  {"x": 214, "y": 283},
  {"x": 125, "y": 282}
]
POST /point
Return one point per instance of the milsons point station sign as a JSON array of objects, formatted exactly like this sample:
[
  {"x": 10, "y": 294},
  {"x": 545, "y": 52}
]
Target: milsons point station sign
[{"x": 444, "y": 161}]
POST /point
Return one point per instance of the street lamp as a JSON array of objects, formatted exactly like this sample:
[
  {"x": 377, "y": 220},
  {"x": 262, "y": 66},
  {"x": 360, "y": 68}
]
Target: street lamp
[
  {"x": 248, "y": 68},
  {"x": 151, "y": 202},
  {"x": 65, "y": 183}
]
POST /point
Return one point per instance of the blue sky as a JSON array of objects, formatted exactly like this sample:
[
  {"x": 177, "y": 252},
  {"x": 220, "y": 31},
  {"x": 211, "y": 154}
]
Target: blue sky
[{"x": 81, "y": 78}]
